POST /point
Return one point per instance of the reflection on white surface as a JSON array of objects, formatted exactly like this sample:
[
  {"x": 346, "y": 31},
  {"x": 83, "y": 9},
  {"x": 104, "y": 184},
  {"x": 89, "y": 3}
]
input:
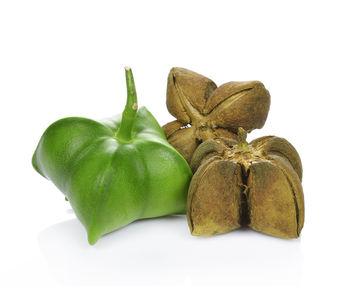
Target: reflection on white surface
[{"x": 161, "y": 251}]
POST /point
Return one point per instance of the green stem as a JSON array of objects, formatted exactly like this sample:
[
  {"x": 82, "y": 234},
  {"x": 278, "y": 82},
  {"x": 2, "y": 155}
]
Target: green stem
[{"x": 124, "y": 133}]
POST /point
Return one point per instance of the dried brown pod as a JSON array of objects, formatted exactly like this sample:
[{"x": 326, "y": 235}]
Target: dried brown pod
[
  {"x": 205, "y": 111},
  {"x": 237, "y": 184}
]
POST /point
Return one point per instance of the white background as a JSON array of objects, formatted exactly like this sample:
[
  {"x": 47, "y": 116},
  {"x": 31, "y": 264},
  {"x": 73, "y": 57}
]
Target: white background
[{"x": 66, "y": 58}]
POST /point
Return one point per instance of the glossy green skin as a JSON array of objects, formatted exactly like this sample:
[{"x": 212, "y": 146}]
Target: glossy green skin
[{"x": 110, "y": 183}]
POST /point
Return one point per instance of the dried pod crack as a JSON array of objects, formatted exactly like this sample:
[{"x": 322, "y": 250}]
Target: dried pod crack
[
  {"x": 237, "y": 184},
  {"x": 205, "y": 111}
]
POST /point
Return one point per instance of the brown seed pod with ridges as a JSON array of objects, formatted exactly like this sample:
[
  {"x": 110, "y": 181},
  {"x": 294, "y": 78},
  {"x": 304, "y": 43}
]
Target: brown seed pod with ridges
[
  {"x": 205, "y": 111},
  {"x": 237, "y": 184}
]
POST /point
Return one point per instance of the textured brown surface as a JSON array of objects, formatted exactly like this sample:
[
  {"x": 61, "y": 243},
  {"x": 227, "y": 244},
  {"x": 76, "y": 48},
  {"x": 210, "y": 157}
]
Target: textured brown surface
[
  {"x": 213, "y": 206},
  {"x": 204, "y": 111},
  {"x": 256, "y": 184}
]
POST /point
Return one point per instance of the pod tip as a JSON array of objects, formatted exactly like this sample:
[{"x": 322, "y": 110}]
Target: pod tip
[{"x": 93, "y": 237}]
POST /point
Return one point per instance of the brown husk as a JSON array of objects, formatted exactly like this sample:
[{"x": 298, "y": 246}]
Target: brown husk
[
  {"x": 256, "y": 184},
  {"x": 205, "y": 111}
]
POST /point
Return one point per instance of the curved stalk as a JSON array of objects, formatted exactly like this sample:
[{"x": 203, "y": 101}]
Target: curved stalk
[{"x": 124, "y": 133}]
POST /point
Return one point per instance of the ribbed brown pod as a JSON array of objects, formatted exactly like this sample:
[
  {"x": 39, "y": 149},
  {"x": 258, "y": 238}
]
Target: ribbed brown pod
[
  {"x": 256, "y": 184},
  {"x": 205, "y": 111}
]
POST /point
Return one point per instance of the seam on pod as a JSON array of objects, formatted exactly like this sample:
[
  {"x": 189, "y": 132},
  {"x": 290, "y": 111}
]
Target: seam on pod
[
  {"x": 251, "y": 186},
  {"x": 145, "y": 186},
  {"x": 279, "y": 153},
  {"x": 186, "y": 103},
  {"x": 101, "y": 188},
  {"x": 227, "y": 98},
  {"x": 294, "y": 199}
]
